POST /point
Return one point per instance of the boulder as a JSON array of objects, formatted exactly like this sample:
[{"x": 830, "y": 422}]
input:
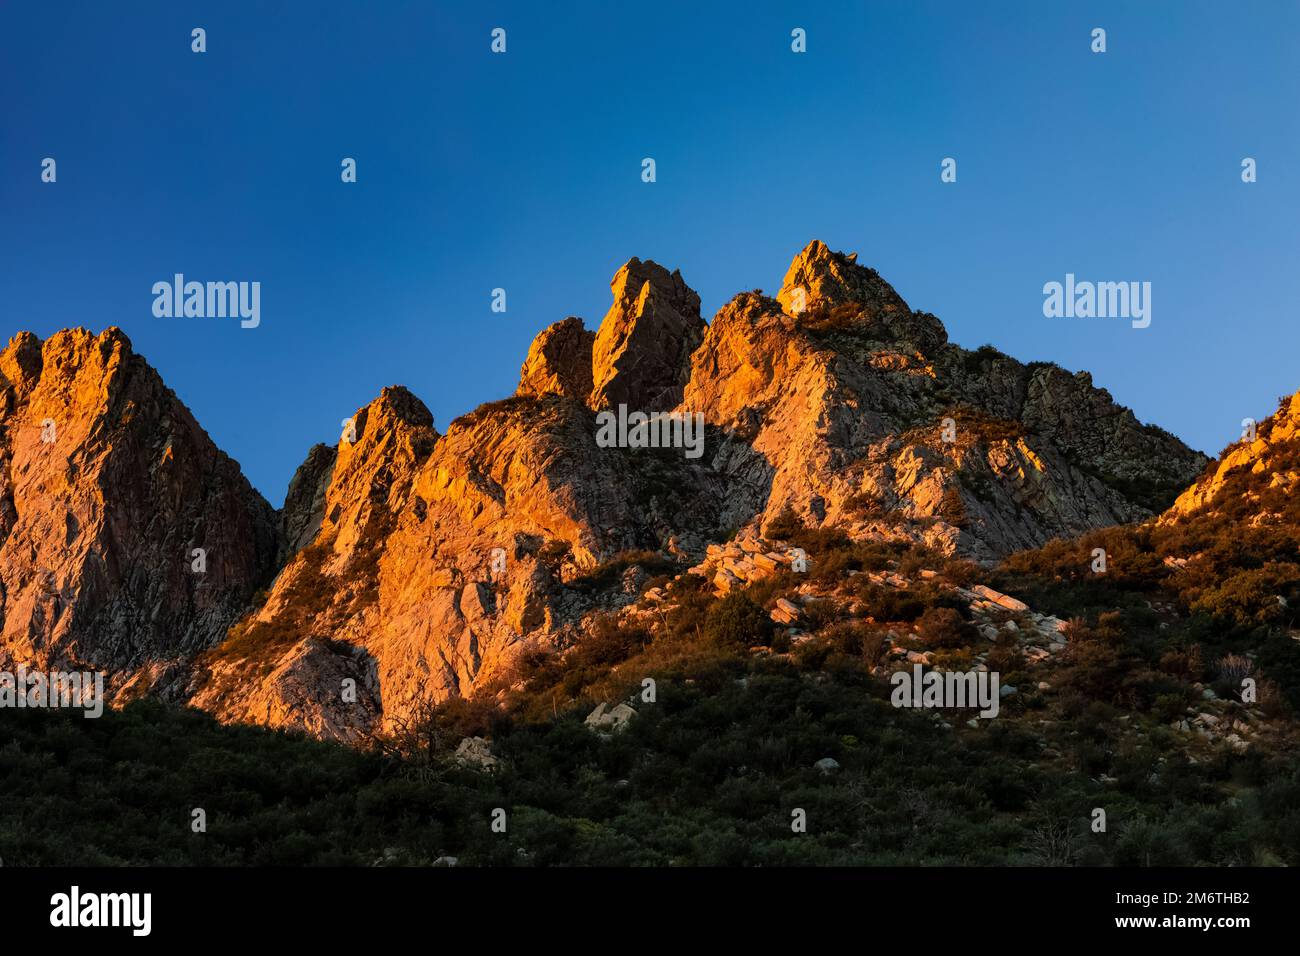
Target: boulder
[
  {"x": 609, "y": 719},
  {"x": 785, "y": 612},
  {"x": 1001, "y": 600},
  {"x": 724, "y": 581},
  {"x": 475, "y": 752}
]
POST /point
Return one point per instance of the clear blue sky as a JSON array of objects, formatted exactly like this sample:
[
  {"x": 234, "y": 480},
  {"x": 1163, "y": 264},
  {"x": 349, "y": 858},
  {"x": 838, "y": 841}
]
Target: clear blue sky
[{"x": 523, "y": 171}]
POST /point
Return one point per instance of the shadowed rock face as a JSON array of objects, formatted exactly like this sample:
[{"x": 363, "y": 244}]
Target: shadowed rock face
[
  {"x": 642, "y": 351},
  {"x": 416, "y": 566},
  {"x": 559, "y": 361},
  {"x": 304, "y": 503},
  {"x": 107, "y": 486}
]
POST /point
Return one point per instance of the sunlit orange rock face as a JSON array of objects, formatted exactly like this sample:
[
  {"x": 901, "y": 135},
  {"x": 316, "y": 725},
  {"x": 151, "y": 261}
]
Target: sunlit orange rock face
[
  {"x": 107, "y": 487},
  {"x": 819, "y": 275},
  {"x": 429, "y": 573},
  {"x": 1268, "y": 457},
  {"x": 839, "y": 410},
  {"x": 416, "y": 565}
]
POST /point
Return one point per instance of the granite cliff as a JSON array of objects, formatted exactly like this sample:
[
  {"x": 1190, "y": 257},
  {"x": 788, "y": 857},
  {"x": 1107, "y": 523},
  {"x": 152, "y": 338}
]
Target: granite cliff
[{"x": 408, "y": 565}]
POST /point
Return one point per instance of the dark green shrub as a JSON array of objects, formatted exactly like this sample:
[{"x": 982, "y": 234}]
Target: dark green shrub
[
  {"x": 944, "y": 627},
  {"x": 736, "y": 620}
]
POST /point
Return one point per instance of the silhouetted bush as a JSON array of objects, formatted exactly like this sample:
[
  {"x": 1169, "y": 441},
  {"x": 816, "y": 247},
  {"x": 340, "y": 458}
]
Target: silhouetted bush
[
  {"x": 944, "y": 627},
  {"x": 738, "y": 620}
]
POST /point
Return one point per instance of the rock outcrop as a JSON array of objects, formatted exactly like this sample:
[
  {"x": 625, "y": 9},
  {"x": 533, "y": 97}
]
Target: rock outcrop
[
  {"x": 642, "y": 351},
  {"x": 1265, "y": 465},
  {"x": 437, "y": 561},
  {"x": 286, "y": 662},
  {"x": 559, "y": 361},
  {"x": 858, "y": 412},
  {"x": 304, "y": 503},
  {"x": 818, "y": 275},
  {"x": 128, "y": 541}
]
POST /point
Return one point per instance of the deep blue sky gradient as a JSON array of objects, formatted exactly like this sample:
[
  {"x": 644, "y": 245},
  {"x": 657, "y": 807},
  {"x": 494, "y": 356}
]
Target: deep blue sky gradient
[{"x": 523, "y": 171}]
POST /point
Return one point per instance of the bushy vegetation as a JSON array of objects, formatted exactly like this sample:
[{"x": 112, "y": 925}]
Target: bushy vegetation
[
  {"x": 1229, "y": 583},
  {"x": 121, "y": 789},
  {"x": 736, "y": 621},
  {"x": 711, "y": 770},
  {"x": 607, "y": 575},
  {"x": 944, "y": 627},
  {"x": 709, "y": 774},
  {"x": 975, "y": 362},
  {"x": 979, "y": 425}
]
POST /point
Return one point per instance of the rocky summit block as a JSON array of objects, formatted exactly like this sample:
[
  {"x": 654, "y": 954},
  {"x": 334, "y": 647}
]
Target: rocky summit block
[
  {"x": 559, "y": 361},
  {"x": 641, "y": 355},
  {"x": 819, "y": 275},
  {"x": 429, "y": 569}
]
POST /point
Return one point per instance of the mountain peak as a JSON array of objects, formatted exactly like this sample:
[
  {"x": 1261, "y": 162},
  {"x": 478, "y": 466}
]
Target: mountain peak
[
  {"x": 559, "y": 361},
  {"x": 642, "y": 351},
  {"x": 20, "y": 363},
  {"x": 381, "y": 447},
  {"x": 396, "y": 404},
  {"x": 833, "y": 278},
  {"x": 430, "y": 562},
  {"x": 629, "y": 283}
]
